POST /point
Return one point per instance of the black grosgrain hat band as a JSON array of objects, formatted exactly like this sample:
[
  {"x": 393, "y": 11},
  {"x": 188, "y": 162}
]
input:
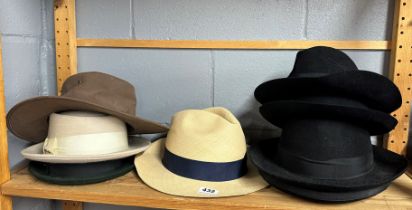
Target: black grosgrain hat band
[
  {"x": 80, "y": 173},
  {"x": 337, "y": 168},
  {"x": 309, "y": 75},
  {"x": 205, "y": 171}
]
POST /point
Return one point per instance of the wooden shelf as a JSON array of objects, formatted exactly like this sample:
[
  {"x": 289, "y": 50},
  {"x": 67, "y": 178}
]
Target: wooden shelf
[
  {"x": 129, "y": 190},
  {"x": 235, "y": 44}
]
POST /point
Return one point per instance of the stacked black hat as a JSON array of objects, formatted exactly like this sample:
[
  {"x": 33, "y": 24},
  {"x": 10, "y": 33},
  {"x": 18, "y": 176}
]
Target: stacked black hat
[{"x": 328, "y": 109}]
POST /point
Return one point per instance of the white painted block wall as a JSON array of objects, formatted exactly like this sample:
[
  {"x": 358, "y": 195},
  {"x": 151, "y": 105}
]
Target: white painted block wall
[
  {"x": 27, "y": 37},
  {"x": 171, "y": 80}
]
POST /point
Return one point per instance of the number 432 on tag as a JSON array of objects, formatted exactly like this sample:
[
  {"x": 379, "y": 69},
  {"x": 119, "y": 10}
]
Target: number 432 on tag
[{"x": 209, "y": 191}]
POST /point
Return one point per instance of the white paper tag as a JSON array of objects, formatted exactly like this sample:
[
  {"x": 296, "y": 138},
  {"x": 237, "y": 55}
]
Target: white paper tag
[{"x": 208, "y": 191}]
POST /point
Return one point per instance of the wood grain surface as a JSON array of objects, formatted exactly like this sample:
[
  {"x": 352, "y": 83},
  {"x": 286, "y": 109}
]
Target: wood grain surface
[
  {"x": 233, "y": 44},
  {"x": 129, "y": 190}
]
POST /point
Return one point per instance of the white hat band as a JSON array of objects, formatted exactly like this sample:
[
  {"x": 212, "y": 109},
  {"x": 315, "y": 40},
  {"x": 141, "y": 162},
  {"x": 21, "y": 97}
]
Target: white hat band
[
  {"x": 83, "y": 133},
  {"x": 88, "y": 144}
]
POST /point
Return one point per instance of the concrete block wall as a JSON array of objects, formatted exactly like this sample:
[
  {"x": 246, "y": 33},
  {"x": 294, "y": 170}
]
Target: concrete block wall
[
  {"x": 169, "y": 80},
  {"x": 203, "y": 78},
  {"x": 28, "y": 64}
]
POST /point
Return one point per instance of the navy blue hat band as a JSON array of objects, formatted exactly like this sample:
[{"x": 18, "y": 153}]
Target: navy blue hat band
[{"x": 205, "y": 171}]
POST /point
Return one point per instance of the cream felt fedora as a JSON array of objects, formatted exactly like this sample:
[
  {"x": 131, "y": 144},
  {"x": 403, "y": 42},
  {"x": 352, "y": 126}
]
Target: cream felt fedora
[
  {"x": 84, "y": 137},
  {"x": 203, "y": 155}
]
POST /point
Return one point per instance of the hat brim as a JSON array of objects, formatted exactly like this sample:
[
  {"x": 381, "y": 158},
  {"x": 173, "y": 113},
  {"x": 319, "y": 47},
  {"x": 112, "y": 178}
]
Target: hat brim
[
  {"x": 280, "y": 112},
  {"x": 409, "y": 170},
  {"x": 343, "y": 196},
  {"x": 372, "y": 89},
  {"x": 28, "y": 120},
  {"x": 80, "y": 174},
  {"x": 387, "y": 167},
  {"x": 151, "y": 170},
  {"x": 35, "y": 153}
]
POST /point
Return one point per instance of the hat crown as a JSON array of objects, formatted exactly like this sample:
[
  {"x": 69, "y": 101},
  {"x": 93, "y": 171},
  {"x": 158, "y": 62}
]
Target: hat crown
[
  {"x": 326, "y": 149},
  {"x": 101, "y": 89},
  {"x": 336, "y": 139},
  {"x": 209, "y": 135},
  {"x": 320, "y": 61},
  {"x": 85, "y": 133}
]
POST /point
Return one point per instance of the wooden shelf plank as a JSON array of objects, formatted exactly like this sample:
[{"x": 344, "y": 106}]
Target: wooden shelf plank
[
  {"x": 234, "y": 44},
  {"x": 129, "y": 190}
]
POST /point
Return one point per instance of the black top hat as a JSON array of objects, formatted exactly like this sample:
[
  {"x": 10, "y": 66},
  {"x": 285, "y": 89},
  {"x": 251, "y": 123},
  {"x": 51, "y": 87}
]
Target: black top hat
[
  {"x": 326, "y": 160},
  {"x": 325, "y": 70},
  {"x": 281, "y": 112}
]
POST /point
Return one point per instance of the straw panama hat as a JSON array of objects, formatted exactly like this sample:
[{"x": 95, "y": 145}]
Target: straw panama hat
[
  {"x": 85, "y": 137},
  {"x": 203, "y": 155}
]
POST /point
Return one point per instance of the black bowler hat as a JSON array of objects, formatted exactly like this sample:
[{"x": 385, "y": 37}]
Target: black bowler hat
[
  {"x": 80, "y": 173},
  {"x": 325, "y": 70},
  {"x": 281, "y": 112},
  {"x": 326, "y": 160}
]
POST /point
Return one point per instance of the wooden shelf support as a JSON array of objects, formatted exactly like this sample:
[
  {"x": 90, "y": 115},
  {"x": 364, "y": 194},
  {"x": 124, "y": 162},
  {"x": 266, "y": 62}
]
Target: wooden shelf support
[
  {"x": 66, "y": 55},
  {"x": 5, "y": 201},
  {"x": 72, "y": 205},
  {"x": 65, "y": 36},
  {"x": 401, "y": 73}
]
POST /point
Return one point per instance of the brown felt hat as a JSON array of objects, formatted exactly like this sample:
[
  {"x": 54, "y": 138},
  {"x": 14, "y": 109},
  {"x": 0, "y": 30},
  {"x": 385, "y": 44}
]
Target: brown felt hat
[{"x": 89, "y": 91}]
